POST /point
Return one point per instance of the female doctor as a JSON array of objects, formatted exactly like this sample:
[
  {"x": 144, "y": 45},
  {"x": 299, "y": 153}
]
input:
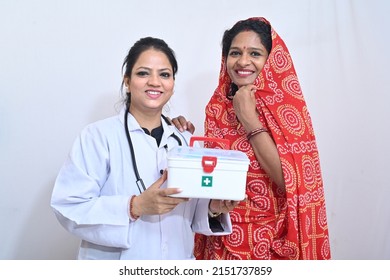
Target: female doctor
[{"x": 111, "y": 191}]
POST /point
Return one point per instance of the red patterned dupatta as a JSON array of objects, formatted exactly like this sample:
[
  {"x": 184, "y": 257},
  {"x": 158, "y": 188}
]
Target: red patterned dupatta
[{"x": 272, "y": 223}]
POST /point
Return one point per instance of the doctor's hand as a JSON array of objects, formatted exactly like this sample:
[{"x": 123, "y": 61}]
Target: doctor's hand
[
  {"x": 183, "y": 125},
  {"x": 156, "y": 201},
  {"x": 222, "y": 206}
]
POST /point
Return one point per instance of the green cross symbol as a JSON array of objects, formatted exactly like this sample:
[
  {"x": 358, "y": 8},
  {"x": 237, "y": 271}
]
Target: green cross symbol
[{"x": 207, "y": 181}]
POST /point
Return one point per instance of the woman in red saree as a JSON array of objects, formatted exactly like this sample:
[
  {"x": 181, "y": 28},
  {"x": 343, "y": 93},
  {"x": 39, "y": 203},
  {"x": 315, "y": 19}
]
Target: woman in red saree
[{"x": 259, "y": 106}]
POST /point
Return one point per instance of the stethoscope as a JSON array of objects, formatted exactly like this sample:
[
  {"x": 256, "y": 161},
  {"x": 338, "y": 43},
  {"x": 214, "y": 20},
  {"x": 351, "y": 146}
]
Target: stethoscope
[{"x": 139, "y": 181}]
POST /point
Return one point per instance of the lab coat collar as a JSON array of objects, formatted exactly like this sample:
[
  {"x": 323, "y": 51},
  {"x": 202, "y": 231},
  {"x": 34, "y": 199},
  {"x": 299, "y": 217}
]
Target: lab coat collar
[
  {"x": 131, "y": 121},
  {"x": 134, "y": 125},
  {"x": 168, "y": 131}
]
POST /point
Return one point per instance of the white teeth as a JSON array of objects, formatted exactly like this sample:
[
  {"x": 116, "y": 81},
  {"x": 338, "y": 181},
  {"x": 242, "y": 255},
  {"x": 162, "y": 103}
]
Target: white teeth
[
  {"x": 244, "y": 72},
  {"x": 153, "y": 92}
]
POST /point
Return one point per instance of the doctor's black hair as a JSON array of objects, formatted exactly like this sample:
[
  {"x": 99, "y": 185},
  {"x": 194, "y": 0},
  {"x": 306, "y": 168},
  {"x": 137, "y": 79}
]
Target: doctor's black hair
[{"x": 137, "y": 49}]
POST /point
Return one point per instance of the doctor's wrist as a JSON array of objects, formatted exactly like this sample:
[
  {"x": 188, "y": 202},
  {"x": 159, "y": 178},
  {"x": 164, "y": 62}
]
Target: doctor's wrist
[
  {"x": 132, "y": 213},
  {"x": 213, "y": 214}
]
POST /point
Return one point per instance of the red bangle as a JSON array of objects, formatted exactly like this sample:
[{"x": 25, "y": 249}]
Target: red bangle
[
  {"x": 256, "y": 131},
  {"x": 132, "y": 216}
]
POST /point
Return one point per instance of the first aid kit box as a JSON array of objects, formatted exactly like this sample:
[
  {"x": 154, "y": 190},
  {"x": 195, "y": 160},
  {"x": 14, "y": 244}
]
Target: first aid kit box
[{"x": 207, "y": 173}]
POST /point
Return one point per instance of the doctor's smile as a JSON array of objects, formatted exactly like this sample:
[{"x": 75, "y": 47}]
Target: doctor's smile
[
  {"x": 151, "y": 82},
  {"x": 153, "y": 94}
]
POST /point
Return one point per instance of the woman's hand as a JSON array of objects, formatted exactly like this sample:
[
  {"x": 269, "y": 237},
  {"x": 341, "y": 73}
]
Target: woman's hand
[
  {"x": 244, "y": 103},
  {"x": 156, "y": 201},
  {"x": 182, "y": 124}
]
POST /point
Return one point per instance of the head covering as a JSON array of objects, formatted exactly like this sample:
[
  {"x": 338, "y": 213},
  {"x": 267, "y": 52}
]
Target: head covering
[{"x": 272, "y": 223}]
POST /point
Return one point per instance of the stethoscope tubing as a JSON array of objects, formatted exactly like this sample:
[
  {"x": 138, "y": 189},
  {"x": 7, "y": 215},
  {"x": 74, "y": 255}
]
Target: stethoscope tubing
[{"x": 139, "y": 181}]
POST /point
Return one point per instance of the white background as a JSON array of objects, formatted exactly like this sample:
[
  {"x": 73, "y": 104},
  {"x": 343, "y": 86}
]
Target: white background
[{"x": 60, "y": 69}]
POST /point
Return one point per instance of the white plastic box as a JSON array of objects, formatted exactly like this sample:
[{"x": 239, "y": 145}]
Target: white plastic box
[{"x": 207, "y": 173}]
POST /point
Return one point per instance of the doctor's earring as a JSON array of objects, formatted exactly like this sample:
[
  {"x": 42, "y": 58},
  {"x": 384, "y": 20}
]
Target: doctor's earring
[{"x": 167, "y": 107}]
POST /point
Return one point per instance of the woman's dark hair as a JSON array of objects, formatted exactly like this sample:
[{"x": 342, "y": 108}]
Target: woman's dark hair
[
  {"x": 141, "y": 46},
  {"x": 262, "y": 28}
]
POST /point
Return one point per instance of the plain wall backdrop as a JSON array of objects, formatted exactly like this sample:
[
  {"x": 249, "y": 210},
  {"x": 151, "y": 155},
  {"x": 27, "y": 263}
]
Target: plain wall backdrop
[{"x": 60, "y": 69}]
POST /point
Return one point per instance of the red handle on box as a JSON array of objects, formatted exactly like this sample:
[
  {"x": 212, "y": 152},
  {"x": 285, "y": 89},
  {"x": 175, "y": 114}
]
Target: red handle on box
[
  {"x": 226, "y": 142},
  {"x": 209, "y": 163}
]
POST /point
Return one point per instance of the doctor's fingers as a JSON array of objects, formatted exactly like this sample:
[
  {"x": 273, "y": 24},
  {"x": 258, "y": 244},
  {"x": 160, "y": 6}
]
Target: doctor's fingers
[
  {"x": 167, "y": 204},
  {"x": 157, "y": 184},
  {"x": 169, "y": 191},
  {"x": 165, "y": 196},
  {"x": 231, "y": 204},
  {"x": 227, "y": 205},
  {"x": 158, "y": 204}
]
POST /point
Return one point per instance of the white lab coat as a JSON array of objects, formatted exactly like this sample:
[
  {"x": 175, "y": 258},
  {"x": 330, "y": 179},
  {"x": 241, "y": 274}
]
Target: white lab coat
[{"x": 92, "y": 191}]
